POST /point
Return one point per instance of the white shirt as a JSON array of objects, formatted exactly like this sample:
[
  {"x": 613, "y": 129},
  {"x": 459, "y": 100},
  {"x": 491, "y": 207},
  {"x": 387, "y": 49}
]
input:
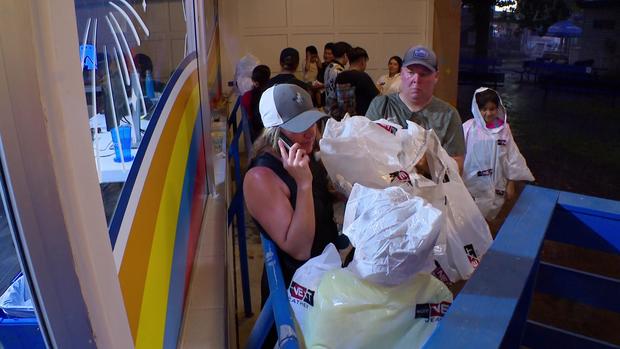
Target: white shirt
[{"x": 389, "y": 84}]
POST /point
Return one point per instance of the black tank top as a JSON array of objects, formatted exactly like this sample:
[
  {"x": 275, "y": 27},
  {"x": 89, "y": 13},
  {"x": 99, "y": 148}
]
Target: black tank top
[{"x": 326, "y": 230}]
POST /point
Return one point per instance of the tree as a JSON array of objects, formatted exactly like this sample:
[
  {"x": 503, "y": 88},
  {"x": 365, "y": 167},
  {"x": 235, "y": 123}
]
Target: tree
[
  {"x": 537, "y": 15},
  {"x": 483, "y": 13}
]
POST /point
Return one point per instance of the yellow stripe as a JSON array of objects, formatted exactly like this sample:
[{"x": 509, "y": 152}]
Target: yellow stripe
[
  {"x": 132, "y": 273},
  {"x": 153, "y": 315}
]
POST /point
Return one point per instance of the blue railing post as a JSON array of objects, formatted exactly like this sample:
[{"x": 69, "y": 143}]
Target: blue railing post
[
  {"x": 262, "y": 326},
  {"x": 515, "y": 331},
  {"x": 285, "y": 324},
  {"x": 232, "y": 119},
  {"x": 237, "y": 209}
]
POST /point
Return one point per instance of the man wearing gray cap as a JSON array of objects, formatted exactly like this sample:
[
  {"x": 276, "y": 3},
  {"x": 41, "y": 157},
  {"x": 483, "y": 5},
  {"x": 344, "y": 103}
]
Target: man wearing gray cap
[{"x": 416, "y": 102}]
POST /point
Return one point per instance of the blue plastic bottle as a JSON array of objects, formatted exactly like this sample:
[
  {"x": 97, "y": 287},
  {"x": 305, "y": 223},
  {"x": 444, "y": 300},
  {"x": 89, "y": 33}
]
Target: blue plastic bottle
[{"x": 148, "y": 82}]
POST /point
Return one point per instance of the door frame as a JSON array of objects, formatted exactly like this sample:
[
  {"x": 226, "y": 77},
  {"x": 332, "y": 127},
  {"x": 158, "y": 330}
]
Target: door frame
[{"x": 53, "y": 189}]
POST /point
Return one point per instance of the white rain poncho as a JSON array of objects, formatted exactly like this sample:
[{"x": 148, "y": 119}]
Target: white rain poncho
[{"x": 492, "y": 159}]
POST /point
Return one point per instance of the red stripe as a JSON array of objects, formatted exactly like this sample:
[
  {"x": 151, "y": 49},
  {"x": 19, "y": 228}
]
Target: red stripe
[{"x": 198, "y": 200}]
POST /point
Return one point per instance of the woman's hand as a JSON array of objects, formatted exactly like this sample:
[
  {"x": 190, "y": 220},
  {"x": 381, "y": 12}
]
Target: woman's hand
[{"x": 297, "y": 163}]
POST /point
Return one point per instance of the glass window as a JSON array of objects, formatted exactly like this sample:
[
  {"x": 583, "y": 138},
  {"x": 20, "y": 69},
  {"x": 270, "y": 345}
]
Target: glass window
[
  {"x": 143, "y": 95},
  {"x": 19, "y": 327},
  {"x": 129, "y": 50}
]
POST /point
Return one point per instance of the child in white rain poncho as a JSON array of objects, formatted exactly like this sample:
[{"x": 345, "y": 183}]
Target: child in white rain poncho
[{"x": 492, "y": 161}]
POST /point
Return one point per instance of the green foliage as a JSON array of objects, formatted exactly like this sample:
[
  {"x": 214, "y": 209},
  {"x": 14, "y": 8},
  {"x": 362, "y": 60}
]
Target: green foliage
[
  {"x": 490, "y": 2},
  {"x": 503, "y": 3},
  {"x": 538, "y": 15}
]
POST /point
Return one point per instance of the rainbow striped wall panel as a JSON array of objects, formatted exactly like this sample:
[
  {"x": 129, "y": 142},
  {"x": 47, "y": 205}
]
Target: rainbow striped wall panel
[{"x": 155, "y": 227}]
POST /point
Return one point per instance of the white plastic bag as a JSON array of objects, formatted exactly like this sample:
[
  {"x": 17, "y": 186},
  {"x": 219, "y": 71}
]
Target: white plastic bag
[
  {"x": 243, "y": 73},
  {"x": 464, "y": 235},
  {"x": 305, "y": 282},
  {"x": 354, "y": 313},
  {"x": 357, "y": 150},
  {"x": 16, "y": 301},
  {"x": 393, "y": 233}
]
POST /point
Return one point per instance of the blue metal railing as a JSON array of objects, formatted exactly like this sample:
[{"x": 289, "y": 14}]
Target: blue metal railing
[
  {"x": 491, "y": 310},
  {"x": 236, "y": 208},
  {"x": 276, "y": 308}
]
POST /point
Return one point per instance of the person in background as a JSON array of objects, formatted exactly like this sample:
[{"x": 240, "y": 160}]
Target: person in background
[
  {"x": 144, "y": 66},
  {"x": 493, "y": 161},
  {"x": 328, "y": 57},
  {"x": 311, "y": 71},
  {"x": 312, "y": 64},
  {"x": 415, "y": 102},
  {"x": 289, "y": 62},
  {"x": 286, "y": 189},
  {"x": 328, "y": 52},
  {"x": 250, "y": 99},
  {"x": 390, "y": 82},
  {"x": 354, "y": 88},
  {"x": 337, "y": 66}
]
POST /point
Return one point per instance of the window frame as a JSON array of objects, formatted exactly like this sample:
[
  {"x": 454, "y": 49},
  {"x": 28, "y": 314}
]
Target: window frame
[{"x": 53, "y": 189}]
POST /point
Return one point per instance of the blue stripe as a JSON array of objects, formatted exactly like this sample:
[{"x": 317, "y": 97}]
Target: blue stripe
[
  {"x": 174, "y": 309},
  {"x": 121, "y": 206}
]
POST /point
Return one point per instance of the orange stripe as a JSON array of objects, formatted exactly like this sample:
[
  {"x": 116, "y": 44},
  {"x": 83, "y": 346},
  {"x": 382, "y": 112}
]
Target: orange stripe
[
  {"x": 135, "y": 262},
  {"x": 156, "y": 290}
]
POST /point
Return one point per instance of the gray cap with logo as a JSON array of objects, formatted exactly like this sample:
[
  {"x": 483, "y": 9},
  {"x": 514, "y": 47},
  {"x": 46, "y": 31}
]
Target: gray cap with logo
[
  {"x": 421, "y": 55},
  {"x": 288, "y": 106}
]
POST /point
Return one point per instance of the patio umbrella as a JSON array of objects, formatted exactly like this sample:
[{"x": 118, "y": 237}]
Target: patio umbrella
[{"x": 564, "y": 29}]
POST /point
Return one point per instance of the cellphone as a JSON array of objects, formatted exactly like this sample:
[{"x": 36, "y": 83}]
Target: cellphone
[{"x": 287, "y": 142}]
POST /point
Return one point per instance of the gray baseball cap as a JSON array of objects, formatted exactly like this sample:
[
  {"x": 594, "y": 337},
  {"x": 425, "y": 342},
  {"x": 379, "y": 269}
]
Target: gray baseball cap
[
  {"x": 421, "y": 55},
  {"x": 288, "y": 106}
]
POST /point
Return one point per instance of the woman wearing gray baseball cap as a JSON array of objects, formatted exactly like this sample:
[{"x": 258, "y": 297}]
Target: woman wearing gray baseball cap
[{"x": 286, "y": 189}]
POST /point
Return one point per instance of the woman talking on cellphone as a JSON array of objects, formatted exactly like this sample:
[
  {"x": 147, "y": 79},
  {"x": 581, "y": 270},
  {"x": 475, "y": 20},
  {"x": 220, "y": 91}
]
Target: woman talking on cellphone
[{"x": 286, "y": 189}]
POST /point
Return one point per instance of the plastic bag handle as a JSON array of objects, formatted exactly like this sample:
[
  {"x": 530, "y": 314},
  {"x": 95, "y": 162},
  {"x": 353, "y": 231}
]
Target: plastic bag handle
[{"x": 351, "y": 208}]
